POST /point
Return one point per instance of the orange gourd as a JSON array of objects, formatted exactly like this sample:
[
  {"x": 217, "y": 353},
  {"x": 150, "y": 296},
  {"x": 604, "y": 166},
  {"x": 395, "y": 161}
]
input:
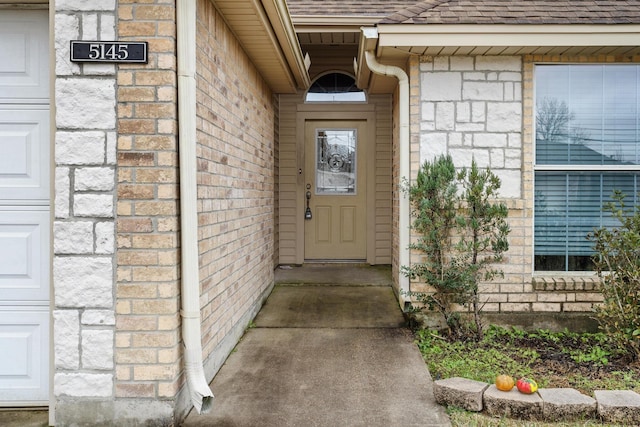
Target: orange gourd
[{"x": 504, "y": 382}]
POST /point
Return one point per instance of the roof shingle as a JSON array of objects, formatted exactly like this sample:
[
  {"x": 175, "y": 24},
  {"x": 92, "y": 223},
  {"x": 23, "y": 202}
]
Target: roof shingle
[
  {"x": 518, "y": 12},
  {"x": 379, "y": 8}
]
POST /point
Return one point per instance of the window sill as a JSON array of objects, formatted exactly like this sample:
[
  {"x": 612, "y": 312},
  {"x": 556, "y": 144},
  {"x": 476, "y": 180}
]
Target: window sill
[{"x": 562, "y": 281}]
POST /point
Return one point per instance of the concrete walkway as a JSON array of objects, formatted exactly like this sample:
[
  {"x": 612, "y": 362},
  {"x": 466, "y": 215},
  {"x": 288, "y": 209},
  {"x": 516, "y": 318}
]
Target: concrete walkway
[{"x": 328, "y": 354}]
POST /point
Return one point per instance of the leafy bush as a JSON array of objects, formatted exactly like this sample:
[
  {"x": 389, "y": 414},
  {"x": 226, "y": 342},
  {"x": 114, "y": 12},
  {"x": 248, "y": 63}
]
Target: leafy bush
[
  {"x": 617, "y": 262},
  {"x": 462, "y": 234}
]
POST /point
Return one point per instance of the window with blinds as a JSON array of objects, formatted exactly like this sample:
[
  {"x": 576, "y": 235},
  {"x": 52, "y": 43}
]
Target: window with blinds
[{"x": 587, "y": 145}]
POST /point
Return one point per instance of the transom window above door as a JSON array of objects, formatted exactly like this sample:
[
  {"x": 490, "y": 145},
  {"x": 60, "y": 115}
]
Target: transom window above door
[
  {"x": 587, "y": 145},
  {"x": 335, "y": 87}
]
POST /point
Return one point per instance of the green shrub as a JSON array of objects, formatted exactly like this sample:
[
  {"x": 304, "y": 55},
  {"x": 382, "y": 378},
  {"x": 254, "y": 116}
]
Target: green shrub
[
  {"x": 617, "y": 263},
  {"x": 462, "y": 234}
]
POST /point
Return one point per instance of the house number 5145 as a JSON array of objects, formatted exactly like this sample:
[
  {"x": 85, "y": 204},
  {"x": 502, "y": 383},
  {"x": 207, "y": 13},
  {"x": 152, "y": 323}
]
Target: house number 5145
[
  {"x": 99, "y": 51},
  {"x": 106, "y": 52}
]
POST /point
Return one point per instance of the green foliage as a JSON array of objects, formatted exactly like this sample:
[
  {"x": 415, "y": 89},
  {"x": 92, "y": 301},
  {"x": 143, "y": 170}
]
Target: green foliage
[
  {"x": 483, "y": 232},
  {"x": 519, "y": 353},
  {"x": 597, "y": 354},
  {"x": 462, "y": 234},
  {"x": 617, "y": 263},
  {"x": 447, "y": 359}
]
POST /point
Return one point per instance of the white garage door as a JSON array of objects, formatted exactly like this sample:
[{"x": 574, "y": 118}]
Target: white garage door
[{"x": 24, "y": 208}]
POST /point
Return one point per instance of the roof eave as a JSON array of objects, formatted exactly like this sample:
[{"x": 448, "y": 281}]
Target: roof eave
[
  {"x": 368, "y": 42},
  {"x": 489, "y": 35},
  {"x": 266, "y": 33},
  {"x": 282, "y": 25}
]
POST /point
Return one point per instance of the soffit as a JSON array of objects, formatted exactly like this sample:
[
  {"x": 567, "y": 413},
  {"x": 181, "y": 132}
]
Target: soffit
[{"x": 265, "y": 31}]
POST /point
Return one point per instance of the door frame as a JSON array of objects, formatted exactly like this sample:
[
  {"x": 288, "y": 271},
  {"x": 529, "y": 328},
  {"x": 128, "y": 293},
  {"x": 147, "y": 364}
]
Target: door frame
[{"x": 335, "y": 112}]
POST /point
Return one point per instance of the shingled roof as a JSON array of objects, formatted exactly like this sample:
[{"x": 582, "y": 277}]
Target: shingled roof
[
  {"x": 381, "y": 8},
  {"x": 518, "y": 12}
]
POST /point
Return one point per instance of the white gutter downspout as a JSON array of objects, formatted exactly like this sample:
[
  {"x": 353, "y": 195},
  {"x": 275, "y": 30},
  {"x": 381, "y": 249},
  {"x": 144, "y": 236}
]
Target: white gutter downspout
[
  {"x": 404, "y": 213},
  {"x": 201, "y": 395}
]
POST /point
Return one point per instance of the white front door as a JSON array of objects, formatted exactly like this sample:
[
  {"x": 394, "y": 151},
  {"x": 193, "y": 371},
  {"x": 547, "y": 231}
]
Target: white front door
[{"x": 24, "y": 208}]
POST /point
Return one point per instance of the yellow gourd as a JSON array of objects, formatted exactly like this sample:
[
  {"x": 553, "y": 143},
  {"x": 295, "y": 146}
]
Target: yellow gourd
[{"x": 504, "y": 382}]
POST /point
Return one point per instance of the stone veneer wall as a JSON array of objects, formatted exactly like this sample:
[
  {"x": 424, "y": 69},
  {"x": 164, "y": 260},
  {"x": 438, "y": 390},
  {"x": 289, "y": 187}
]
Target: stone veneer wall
[
  {"x": 481, "y": 107},
  {"x": 83, "y": 228}
]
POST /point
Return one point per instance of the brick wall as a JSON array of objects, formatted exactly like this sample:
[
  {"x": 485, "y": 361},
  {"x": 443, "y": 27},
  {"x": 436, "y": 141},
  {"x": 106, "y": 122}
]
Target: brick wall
[
  {"x": 147, "y": 341},
  {"x": 236, "y": 128}
]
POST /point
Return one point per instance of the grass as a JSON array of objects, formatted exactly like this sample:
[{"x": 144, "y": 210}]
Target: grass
[
  {"x": 461, "y": 418},
  {"x": 585, "y": 362}
]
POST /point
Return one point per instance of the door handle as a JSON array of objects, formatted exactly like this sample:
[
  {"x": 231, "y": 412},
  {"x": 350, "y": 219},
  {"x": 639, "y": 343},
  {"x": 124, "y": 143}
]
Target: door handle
[{"x": 307, "y": 212}]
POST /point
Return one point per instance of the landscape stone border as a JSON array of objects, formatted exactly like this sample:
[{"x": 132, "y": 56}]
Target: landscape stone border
[{"x": 547, "y": 404}]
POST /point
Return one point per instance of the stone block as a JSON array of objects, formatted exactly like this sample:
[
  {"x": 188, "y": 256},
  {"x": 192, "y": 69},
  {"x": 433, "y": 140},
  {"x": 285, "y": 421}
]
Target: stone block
[
  {"x": 93, "y": 205},
  {"x": 482, "y": 91},
  {"x": 504, "y": 116},
  {"x": 83, "y": 385},
  {"x": 66, "y": 339},
  {"x": 460, "y": 392},
  {"x": 67, "y": 27},
  {"x": 445, "y": 116},
  {"x": 97, "y": 349},
  {"x": 511, "y": 183},
  {"x": 566, "y": 404},
  {"x": 90, "y": 26},
  {"x": 618, "y": 406},
  {"x": 80, "y": 148},
  {"x": 94, "y": 179},
  {"x": 499, "y": 63},
  {"x": 461, "y": 63},
  {"x": 73, "y": 95},
  {"x": 445, "y": 86},
  {"x": 105, "y": 238},
  {"x": 107, "y": 27},
  {"x": 98, "y": 317},
  {"x": 74, "y": 237},
  {"x": 85, "y": 5},
  {"x": 62, "y": 192},
  {"x": 484, "y": 140},
  {"x": 512, "y": 404},
  {"x": 83, "y": 281}
]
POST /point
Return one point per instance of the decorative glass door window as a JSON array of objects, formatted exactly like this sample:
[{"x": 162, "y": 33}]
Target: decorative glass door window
[{"x": 336, "y": 161}]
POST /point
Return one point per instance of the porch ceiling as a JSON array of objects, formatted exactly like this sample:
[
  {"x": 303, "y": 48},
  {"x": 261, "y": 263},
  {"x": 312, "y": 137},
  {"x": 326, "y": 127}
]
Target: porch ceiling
[
  {"x": 332, "y": 43},
  {"x": 266, "y": 33}
]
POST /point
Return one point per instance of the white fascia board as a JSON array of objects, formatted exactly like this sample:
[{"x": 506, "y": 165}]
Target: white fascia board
[
  {"x": 368, "y": 42},
  {"x": 313, "y": 21},
  {"x": 507, "y": 35},
  {"x": 280, "y": 22}
]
